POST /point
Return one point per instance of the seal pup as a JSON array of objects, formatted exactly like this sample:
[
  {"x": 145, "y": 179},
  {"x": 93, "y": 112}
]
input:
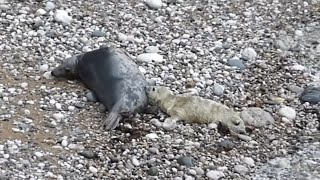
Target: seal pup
[
  {"x": 113, "y": 77},
  {"x": 194, "y": 109}
]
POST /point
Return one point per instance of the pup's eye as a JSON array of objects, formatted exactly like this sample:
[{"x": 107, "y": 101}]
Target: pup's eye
[
  {"x": 153, "y": 89},
  {"x": 237, "y": 123}
]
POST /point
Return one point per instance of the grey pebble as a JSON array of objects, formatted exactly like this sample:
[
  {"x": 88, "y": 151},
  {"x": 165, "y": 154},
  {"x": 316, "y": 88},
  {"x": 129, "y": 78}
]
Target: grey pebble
[
  {"x": 226, "y": 144},
  {"x": 88, "y": 154},
  {"x": 236, "y": 62},
  {"x": 97, "y": 33},
  {"x": 186, "y": 161},
  {"x": 91, "y": 97},
  {"x": 153, "y": 171}
]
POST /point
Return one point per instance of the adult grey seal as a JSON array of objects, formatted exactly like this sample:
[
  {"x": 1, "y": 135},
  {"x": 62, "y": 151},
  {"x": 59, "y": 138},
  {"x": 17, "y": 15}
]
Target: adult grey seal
[
  {"x": 195, "y": 109},
  {"x": 113, "y": 77}
]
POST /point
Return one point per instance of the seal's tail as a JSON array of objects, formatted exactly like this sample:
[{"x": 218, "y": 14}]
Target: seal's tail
[{"x": 113, "y": 118}]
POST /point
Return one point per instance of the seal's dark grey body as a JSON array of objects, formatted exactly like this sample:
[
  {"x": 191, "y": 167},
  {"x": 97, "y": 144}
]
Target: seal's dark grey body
[{"x": 113, "y": 77}]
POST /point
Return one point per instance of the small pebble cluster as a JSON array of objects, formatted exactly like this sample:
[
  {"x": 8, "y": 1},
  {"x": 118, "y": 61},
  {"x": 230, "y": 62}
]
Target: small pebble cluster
[{"x": 260, "y": 58}]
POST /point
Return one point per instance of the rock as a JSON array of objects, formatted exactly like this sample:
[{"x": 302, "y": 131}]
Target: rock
[
  {"x": 38, "y": 154},
  {"x": 215, "y": 175},
  {"x": 298, "y": 33},
  {"x": 91, "y": 97},
  {"x": 156, "y": 123},
  {"x": 226, "y": 145},
  {"x": 88, "y": 154},
  {"x": 218, "y": 89},
  {"x": 154, "y": 4},
  {"x": 41, "y": 12},
  {"x": 150, "y": 57},
  {"x": 62, "y": 17},
  {"x": 249, "y": 161},
  {"x": 93, "y": 170},
  {"x": 287, "y": 112},
  {"x": 152, "y": 136},
  {"x": 248, "y": 54},
  {"x": 310, "y": 94},
  {"x": 122, "y": 37},
  {"x": 185, "y": 161},
  {"x": 64, "y": 143},
  {"x": 135, "y": 161},
  {"x": 169, "y": 124},
  {"x": 240, "y": 169},
  {"x": 199, "y": 171},
  {"x": 296, "y": 89},
  {"x": 256, "y": 117},
  {"x": 151, "y": 49},
  {"x": 236, "y": 62},
  {"x": 49, "y": 6},
  {"x": 44, "y": 68},
  {"x": 280, "y": 162},
  {"x": 97, "y": 33},
  {"x": 298, "y": 67},
  {"x": 58, "y": 116},
  {"x": 153, "y": 171}
]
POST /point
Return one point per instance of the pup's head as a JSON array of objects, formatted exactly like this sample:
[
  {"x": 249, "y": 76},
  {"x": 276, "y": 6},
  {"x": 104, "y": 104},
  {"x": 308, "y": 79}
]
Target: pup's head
[
  {"x": 156, "y": 93},
  {"x": 67, "y": 69},
  {"x": 234, "y": 123}
]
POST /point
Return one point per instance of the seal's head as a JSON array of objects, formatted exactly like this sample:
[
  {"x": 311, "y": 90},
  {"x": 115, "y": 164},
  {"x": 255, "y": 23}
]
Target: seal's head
[
  {"x": 67, "y": 69},
  {"x": 234, "y": 123},
  {"x": 157, "y": 93}
]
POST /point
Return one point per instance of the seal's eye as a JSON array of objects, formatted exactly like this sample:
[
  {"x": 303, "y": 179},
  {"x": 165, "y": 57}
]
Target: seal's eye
[
  {"x": 153, "y": 89},
  {"x": 237, "y": 123}
]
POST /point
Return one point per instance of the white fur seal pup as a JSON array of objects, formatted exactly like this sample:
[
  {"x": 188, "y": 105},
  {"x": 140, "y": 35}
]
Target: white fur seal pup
[
  {"x": 113, "y": 77},
  {"x": 195, "y": 109}
]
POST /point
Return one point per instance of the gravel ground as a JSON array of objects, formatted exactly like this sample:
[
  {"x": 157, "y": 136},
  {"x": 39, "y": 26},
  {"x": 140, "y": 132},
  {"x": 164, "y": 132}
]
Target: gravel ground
[{"x": 254, "y": 56}]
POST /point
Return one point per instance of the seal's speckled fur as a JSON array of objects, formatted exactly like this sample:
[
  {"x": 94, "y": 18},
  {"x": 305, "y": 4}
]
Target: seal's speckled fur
[
  {"x": 194, "y": 109},
  {"x": 113, "y": 77}
]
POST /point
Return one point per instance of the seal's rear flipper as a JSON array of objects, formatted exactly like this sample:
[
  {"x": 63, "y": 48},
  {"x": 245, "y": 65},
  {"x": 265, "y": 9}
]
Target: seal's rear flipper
[
  {"x": 114, "y": 117},
  {"x": 112, "y": 121}
]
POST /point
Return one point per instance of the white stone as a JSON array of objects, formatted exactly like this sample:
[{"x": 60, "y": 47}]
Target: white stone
[
  {"x": 64, "y": 143},
  {"x": 156, "y": 123},
  {"x": 38, "y": 154},
  {"x": 63, "y": 17},
  {"x": 169, "y": 124},
  {"x": 49, "y": 6},
  {"x": 44, "y": 68},
  {"x": 154, "y": 4},
  {"x": 298, "y": 67},
  {"x": 152, "y": 136},
  {"x": 218, "y": 89},
  {"x": 93, "y": 170},
  {"x": 240, "y": 169},
  {"x": 215, "y": 175},
  {"x": 287, "y": 112},
  {"x": 47, "y": 75},
  {"x": 24, "y": 85},
  {"x": 150, "y": 57},
  {"x": 249, "y": 53},
  {"x": 41, "y": 12},
  {"x": 58, "y": 116},
  {"x": 151, "y": 49},
  {"x": 135, "y": 161},
  {"x": 122, "y": 37},
  {"x": 298, "y": 33},
  {"x": 249, "y": 161},
  {"x": 58, "y": 106}
]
